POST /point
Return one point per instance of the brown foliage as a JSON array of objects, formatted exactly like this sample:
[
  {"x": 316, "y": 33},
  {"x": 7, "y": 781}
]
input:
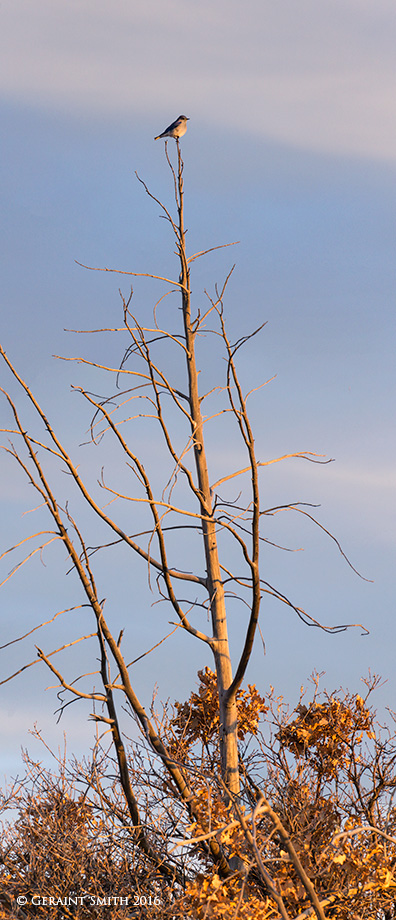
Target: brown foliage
[
  {"x": 68, "y": 854},
  {"x": 316, "y": 808},
  {"x": 324, "y": 732},
  {"x": 198, "y": 718}
]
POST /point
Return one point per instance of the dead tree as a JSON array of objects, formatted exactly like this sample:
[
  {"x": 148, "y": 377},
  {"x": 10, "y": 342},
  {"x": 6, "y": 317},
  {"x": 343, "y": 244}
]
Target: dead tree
[{"x": 201, "y": 510}]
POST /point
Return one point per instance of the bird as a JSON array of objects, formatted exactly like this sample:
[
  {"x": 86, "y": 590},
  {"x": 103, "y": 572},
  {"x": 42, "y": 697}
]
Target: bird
[{"x": 176, "y": 129}]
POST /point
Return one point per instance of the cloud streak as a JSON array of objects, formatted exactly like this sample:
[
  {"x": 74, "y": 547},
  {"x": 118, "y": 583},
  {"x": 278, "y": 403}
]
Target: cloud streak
[{"x": 315, "y": 76}]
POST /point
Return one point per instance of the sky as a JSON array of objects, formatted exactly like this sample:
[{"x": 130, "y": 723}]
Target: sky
[{"x": 290, "y": 150}]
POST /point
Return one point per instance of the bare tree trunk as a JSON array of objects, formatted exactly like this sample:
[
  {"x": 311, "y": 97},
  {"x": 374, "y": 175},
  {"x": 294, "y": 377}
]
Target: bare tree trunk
[{"x": 228, "y": 712}]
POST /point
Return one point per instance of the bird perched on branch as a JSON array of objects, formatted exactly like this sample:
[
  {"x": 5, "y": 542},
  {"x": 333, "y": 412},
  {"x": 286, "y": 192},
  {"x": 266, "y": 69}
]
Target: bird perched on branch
[{"x": 176, "y": 129}]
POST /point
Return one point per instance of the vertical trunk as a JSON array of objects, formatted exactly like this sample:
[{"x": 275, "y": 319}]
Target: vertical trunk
[{"x": 228, "y": 713}]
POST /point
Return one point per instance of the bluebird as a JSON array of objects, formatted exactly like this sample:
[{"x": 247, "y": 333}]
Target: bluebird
[{"x": 176, "y": 129}]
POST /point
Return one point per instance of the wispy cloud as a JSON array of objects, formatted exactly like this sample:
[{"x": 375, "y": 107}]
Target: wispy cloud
[{"x": 317, "y": 76}]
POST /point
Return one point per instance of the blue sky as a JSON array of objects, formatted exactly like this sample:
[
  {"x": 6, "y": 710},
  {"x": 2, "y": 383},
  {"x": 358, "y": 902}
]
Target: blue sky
[{"x": 291, "y": 149}]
